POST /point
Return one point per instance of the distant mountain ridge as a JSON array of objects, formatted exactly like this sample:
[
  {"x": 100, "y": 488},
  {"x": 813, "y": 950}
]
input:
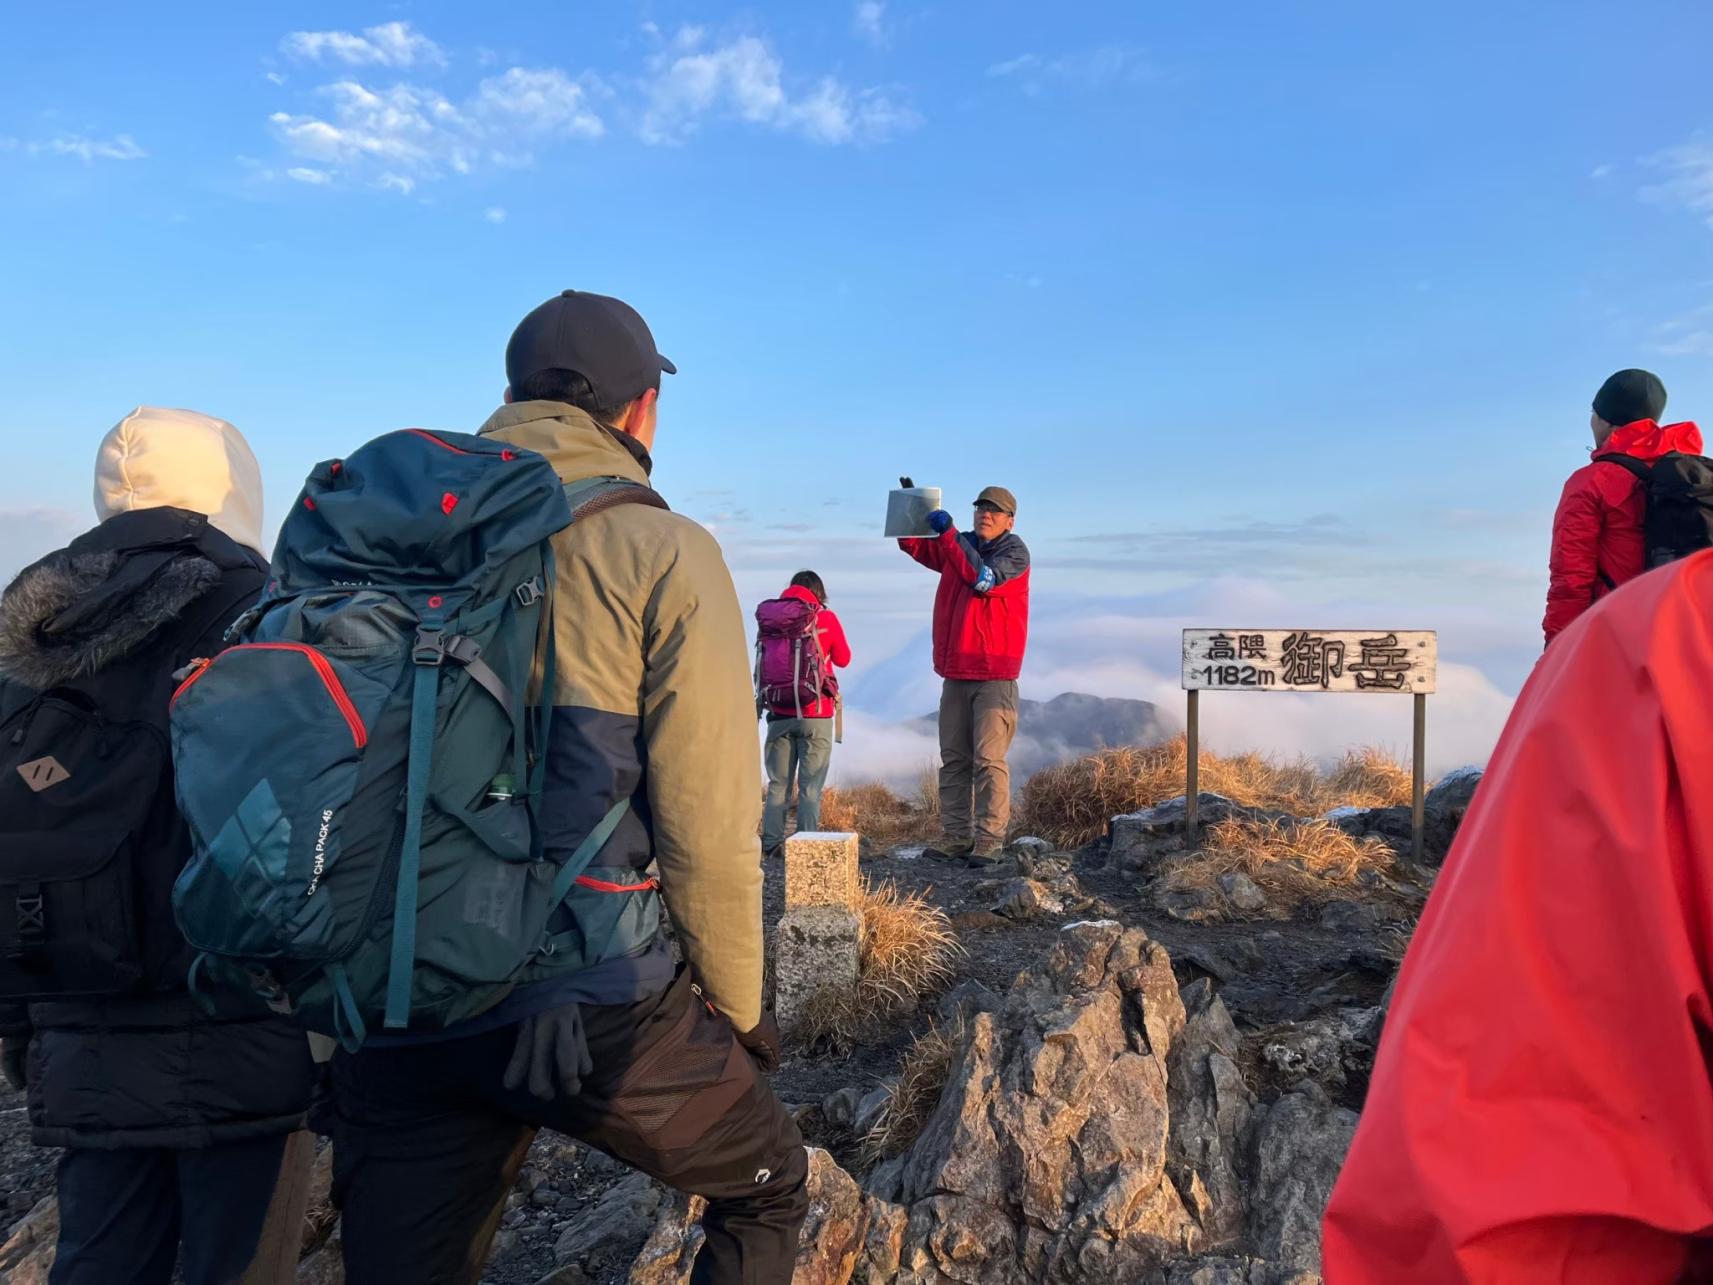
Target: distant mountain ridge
[{"x": 1073, "y": 724}]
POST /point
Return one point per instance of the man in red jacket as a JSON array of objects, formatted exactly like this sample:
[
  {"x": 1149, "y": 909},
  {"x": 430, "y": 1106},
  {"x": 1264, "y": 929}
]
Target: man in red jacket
[
  {"x": 1541, "y": 1110},
  {"x": 1597, "y": 531},
  {"x": 801, "y": 745},
  {"x": 981, "y": 622}
]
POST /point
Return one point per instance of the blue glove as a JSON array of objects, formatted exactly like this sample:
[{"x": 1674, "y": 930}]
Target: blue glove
[
  {"x": 939, "y": 521},
  {"x": 985, "y": 580}
]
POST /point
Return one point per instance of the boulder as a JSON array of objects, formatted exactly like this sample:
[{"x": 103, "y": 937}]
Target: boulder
[
  {"x": 28, "y": 1254},
  {"x": 1335, "y": 1050},
  {"x": 1027, "y": 899},
  {"x": 1454, "y": 792},
  {"x": 1299, "y": 1147},
  {"x": 614, "y": 1226},
  {"x": 1212, "y": 1113},
  {"x": 964, "y": 1001},
  {"x": 833, "y": 1239},
  {"x": 1045, "y": 1159},
  {"x": 1242, "y": 892}
]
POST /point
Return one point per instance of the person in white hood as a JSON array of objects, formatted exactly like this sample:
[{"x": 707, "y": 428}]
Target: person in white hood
[{"x": 173, "y": 1119}]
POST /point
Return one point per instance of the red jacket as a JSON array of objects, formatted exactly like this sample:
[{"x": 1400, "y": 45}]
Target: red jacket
[
  {"x": 831, "y": 635},
  {"x": 977, "y": 636},
  {"x": 1541, "y": 1109},
  {"x": 1597, "y": 531}
]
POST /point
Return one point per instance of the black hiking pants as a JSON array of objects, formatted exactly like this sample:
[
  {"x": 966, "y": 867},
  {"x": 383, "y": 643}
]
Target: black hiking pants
[
  {"x": 427, "y": 1142},
  {"x": 124, "y": 1214}
]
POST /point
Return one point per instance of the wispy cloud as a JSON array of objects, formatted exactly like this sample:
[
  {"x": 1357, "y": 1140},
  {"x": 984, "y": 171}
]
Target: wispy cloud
[
  {"x": 494, "y": 214},
  {"x": 304, "y": 174},
  {"x": 392, "y": 44},
  {"x": 691, "y": 81},
  {"x": 397, "y": 137},
  {"x": 1687, "y": 181},
  {"x": 1090, "y": 69},
  {"x": 869, "y": 22},
  {"x": 121, "y": 147}
]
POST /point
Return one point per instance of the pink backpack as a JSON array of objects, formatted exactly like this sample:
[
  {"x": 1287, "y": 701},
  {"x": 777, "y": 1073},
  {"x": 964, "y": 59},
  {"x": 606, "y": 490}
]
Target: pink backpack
[{"x": 790, "y": 672}]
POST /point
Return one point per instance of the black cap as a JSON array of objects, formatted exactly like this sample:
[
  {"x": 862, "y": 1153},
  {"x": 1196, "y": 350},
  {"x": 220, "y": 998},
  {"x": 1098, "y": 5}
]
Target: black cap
[
  {"x": 1628, "y": 396},
  {"x": 603, "y": 339}
]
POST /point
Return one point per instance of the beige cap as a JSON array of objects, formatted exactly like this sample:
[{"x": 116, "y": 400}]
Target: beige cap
[
  {"x": 156, "y": 458},
  {"x": 1000, "y": 498}
]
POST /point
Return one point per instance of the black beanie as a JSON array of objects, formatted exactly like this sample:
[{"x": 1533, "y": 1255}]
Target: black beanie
[{"x": 1628, "y": 396}]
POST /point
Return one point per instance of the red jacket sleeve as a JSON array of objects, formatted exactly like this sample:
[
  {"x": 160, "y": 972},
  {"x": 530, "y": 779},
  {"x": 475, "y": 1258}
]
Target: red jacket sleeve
[
  {"x": 1541, "y": 1108},
  {"x": 1575, "y": 560},
  {"x": 833, "y": 644},
  {"x": 941, "y": 552}
]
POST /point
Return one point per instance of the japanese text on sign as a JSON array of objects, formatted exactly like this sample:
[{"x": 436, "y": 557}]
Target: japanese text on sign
[{"x": 1310, "y": 660}]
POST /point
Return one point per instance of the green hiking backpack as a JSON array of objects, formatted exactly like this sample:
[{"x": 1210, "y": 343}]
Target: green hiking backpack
[{"x": 361, "y": 770}]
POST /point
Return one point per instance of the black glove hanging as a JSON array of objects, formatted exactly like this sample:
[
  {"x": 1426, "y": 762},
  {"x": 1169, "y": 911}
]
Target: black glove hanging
[{"x": 551, "y": 1055}]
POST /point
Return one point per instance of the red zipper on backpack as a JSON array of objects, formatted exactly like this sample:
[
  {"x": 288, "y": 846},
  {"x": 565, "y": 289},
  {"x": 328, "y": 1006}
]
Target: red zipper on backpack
[
  {"x": 601, "y": 885},
  {"x": 430, "y": 437},
  {"x": 323, "y": 667}
]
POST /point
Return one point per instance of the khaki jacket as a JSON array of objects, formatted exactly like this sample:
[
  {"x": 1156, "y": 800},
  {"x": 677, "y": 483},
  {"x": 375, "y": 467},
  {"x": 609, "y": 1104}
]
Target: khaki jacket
[{"x": 653, "y": 701}]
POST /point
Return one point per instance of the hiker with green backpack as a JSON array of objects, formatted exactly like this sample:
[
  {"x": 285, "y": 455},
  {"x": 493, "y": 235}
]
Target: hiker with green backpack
[{"x": 491, "y": 682}]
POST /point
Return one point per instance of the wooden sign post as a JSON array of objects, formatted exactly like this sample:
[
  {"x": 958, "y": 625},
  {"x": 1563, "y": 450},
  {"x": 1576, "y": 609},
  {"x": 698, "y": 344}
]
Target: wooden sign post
[{"x": 1391, "y": 662}]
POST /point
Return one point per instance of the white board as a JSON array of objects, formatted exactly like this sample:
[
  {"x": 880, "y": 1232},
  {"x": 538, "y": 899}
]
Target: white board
[{"x": 1378, "y": 661}]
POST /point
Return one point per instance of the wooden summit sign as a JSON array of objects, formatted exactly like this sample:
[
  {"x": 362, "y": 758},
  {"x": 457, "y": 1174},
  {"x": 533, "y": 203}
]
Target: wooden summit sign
[
  {"x": 1308, "y": 660},
  {"x": 1390, "y": 662}
]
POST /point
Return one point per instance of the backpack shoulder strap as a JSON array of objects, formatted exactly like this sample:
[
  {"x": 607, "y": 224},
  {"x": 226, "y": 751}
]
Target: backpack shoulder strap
[
  {"x": 1630, "y": 464},
  {"x": 597, "y": 494}
]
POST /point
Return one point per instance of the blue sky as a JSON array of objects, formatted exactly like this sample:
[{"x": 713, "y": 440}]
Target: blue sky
[{"x": 1292, "y": 310}]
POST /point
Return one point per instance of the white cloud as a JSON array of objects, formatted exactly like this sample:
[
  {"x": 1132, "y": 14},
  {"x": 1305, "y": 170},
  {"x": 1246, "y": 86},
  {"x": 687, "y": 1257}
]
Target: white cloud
[
  {"x": 304, "y": 174},
  {"x": 1091, "y": 69},
  {"x": 544, "y": 102},
  {"x": 689, "y": 82},
  {"x": 869, "y": 22},
  {"x": 275, "y": 78},
  {"x": 1600, "y": 171},
  {"x": 121, "y": 147},
  {"x": 392, "y": 44},
  {"x": 1688, "y": 177},
  {"x": 494, "y": 214},
  {"x": 408, "y": 133}
]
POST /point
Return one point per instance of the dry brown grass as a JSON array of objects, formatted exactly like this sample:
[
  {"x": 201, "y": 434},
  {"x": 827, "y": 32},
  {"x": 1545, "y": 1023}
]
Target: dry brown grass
[
  {"x": 1367, "y": 778},
  {"x": 906, "y": 952},
  {"x": 920, "y": 1081},
  {"x": 880, "y": 814},
  {"x": 1298, "y": 864},
  {"x": 1072, "y": 804}
]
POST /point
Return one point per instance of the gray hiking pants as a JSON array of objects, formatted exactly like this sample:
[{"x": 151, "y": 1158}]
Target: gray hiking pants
[
  {"x": 977, "y": 722},
  {"x": 800, "y": 747}
]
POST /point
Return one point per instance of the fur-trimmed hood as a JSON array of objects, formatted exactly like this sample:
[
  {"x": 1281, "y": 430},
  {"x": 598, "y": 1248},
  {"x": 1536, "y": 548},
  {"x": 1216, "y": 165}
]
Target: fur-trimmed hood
[{"x": 86, "y": 606}]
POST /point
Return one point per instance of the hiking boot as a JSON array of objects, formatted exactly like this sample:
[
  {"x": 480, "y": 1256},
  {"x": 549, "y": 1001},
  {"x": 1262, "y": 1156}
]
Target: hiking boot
[
  {"x": 948, "y": 850},
  {"x": 771, "y": 853},
  {"x": 984, "y": 860}
]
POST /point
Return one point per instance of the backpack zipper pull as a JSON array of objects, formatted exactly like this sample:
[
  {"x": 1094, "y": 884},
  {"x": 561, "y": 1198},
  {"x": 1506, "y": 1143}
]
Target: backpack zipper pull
[{"x": 196, "y": 666}]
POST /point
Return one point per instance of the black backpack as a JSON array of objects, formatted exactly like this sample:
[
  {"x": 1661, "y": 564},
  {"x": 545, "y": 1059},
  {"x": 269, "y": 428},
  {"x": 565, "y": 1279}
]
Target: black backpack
[
  {"x": 1679, "y": 492},
  {"x": 90, "y": 837}
]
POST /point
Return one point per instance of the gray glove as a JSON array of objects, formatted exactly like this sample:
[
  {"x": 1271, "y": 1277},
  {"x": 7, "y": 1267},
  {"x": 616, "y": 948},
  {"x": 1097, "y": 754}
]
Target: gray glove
[
  {"x": 551, "y": 1054},
  {"x": 12, "y": 1062}
]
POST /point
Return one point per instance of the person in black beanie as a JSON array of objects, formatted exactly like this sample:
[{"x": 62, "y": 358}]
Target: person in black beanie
[{"x": 1597, "y": 531}]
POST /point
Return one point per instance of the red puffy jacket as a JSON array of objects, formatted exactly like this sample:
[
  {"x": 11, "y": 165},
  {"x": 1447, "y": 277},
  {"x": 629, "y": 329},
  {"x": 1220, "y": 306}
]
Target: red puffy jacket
[
  {"x": 1597, "y": 531},
  {"x": 831, "y": 635},
  {"x": 1541, "y": 1110},
  {"x": 977, "y": 636}
]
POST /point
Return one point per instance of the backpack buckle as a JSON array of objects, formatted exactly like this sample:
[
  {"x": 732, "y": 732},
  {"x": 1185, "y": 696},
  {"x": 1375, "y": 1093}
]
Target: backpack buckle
[
  {"x": 530, "y": 592},
  {"x": 32, "y": 918},
  {"x": 430, "y": 647}
]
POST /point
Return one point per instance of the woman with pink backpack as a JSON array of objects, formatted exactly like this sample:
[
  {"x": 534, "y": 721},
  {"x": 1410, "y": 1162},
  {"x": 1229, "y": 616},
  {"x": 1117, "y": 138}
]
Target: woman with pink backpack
[{"x": 799, "y": 643}]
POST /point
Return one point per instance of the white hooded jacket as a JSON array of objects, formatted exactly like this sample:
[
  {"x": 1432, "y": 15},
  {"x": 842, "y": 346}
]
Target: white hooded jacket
[{"x": 161, "y": 458}]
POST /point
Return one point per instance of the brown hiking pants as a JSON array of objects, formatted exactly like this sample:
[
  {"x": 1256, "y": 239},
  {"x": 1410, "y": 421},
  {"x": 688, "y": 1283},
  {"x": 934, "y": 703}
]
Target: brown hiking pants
[{"x": 977, "y": 722}]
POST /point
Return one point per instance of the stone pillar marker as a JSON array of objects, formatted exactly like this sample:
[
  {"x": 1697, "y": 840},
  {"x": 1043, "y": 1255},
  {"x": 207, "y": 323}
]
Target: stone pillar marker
[{"x": 819, "y": 938}]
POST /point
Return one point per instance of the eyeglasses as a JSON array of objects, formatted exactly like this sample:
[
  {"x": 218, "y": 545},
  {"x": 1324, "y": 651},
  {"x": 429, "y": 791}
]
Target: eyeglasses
[{"x": 988, "y": 508}]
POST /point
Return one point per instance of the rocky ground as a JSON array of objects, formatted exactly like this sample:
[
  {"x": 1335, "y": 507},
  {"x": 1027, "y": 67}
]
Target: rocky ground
[{"x": 1145, "y": 1091}]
